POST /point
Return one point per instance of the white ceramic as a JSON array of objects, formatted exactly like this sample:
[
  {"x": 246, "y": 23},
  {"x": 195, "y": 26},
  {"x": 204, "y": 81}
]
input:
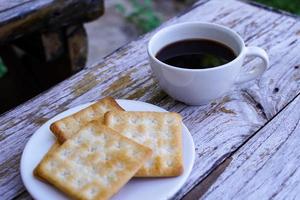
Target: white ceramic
[
  {"x": 135, "y": 189},
  {"x": 199, "y": 86}
]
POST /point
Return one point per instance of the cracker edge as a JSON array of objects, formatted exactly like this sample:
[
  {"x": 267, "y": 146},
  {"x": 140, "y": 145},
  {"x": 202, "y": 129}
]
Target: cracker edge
[
  {"x": 60, "y": 135},
  {"x": 50, "y": 151},
  {"x": 175, "y": 171}
]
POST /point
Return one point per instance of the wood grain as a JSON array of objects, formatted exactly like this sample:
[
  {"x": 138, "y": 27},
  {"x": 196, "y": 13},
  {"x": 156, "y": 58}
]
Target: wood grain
[
  {"x": 18, "y": 18},
  {"x": 5, "y": 5},
  {"x": 218, "y": 128},
  {"x": 266, "y": 167}
]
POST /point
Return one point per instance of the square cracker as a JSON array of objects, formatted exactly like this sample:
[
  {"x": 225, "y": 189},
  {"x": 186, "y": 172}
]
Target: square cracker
[
  {"x": 93, "y": 164},
  {"x": 159, "y": 131},
  {"x": 68, "y": 126}
]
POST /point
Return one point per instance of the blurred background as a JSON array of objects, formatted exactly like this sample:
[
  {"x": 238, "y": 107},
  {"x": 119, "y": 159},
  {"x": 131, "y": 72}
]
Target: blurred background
[{"x": 122, "y": 22}]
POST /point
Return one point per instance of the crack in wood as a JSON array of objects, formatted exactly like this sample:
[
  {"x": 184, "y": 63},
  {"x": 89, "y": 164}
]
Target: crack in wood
[
  {"x": 194, "y": 191},
  {"x": 227, "y": 111},
  {"x": 200, "y": 189},
  {"x": 256, "y": 105},
  {"x": 267, "y": 138}
]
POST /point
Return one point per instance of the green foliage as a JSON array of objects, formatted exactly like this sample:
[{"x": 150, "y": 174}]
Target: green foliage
[
  {"x": 141, "y": 14},
  {"x": 3, "y": 69},
  {"x": 288, "y": 5}
]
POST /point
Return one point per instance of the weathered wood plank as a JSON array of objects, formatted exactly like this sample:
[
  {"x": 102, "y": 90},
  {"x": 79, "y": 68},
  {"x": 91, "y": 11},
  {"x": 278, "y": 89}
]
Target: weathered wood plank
[
  {"x": 5, "y": 5},
  {"x": 206, "y": 183},
  {"x": 266, "y": 167},
  {"x": 23, "y": 196},
  {"x": 22, "y": 17},
  {"x": 218, "y": 129}
]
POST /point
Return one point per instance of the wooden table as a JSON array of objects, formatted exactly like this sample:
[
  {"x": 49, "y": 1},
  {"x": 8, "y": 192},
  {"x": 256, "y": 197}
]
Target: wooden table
[{"x": 247, "y": 143}]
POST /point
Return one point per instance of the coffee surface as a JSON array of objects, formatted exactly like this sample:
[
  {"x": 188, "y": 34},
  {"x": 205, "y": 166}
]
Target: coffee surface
[{"x": 196, "y": 54}]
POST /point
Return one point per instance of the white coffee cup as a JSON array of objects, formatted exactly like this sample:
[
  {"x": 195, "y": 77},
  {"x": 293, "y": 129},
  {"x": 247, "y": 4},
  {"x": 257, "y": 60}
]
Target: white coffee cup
[{"x": 200, "y": 86}]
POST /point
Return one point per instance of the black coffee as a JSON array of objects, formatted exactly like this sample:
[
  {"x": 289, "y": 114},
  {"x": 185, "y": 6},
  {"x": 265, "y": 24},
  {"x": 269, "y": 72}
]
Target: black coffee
[{"x": 196, "y": 54}]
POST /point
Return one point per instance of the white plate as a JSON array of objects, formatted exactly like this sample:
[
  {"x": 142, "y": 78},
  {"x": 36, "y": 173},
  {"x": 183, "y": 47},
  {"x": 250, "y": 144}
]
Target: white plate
[{"x": 147, "y": 188}]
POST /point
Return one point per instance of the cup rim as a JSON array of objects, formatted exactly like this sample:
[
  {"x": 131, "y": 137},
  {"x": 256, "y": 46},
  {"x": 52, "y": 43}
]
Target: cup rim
[{"x": 197, "y": 24}]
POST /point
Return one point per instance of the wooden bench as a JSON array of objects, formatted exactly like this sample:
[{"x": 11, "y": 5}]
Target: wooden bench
[{"x": 42, "y": 42}]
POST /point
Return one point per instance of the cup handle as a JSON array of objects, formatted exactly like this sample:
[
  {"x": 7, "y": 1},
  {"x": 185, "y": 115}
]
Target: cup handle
[{"x": 257, "y": 70}]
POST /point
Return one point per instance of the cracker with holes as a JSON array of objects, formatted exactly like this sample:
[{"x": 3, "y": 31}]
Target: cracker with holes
[
  {"x": 93, "y": 164},
  {"x": 68, "y": 126},
  {"x": 159, "y": 131}
]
